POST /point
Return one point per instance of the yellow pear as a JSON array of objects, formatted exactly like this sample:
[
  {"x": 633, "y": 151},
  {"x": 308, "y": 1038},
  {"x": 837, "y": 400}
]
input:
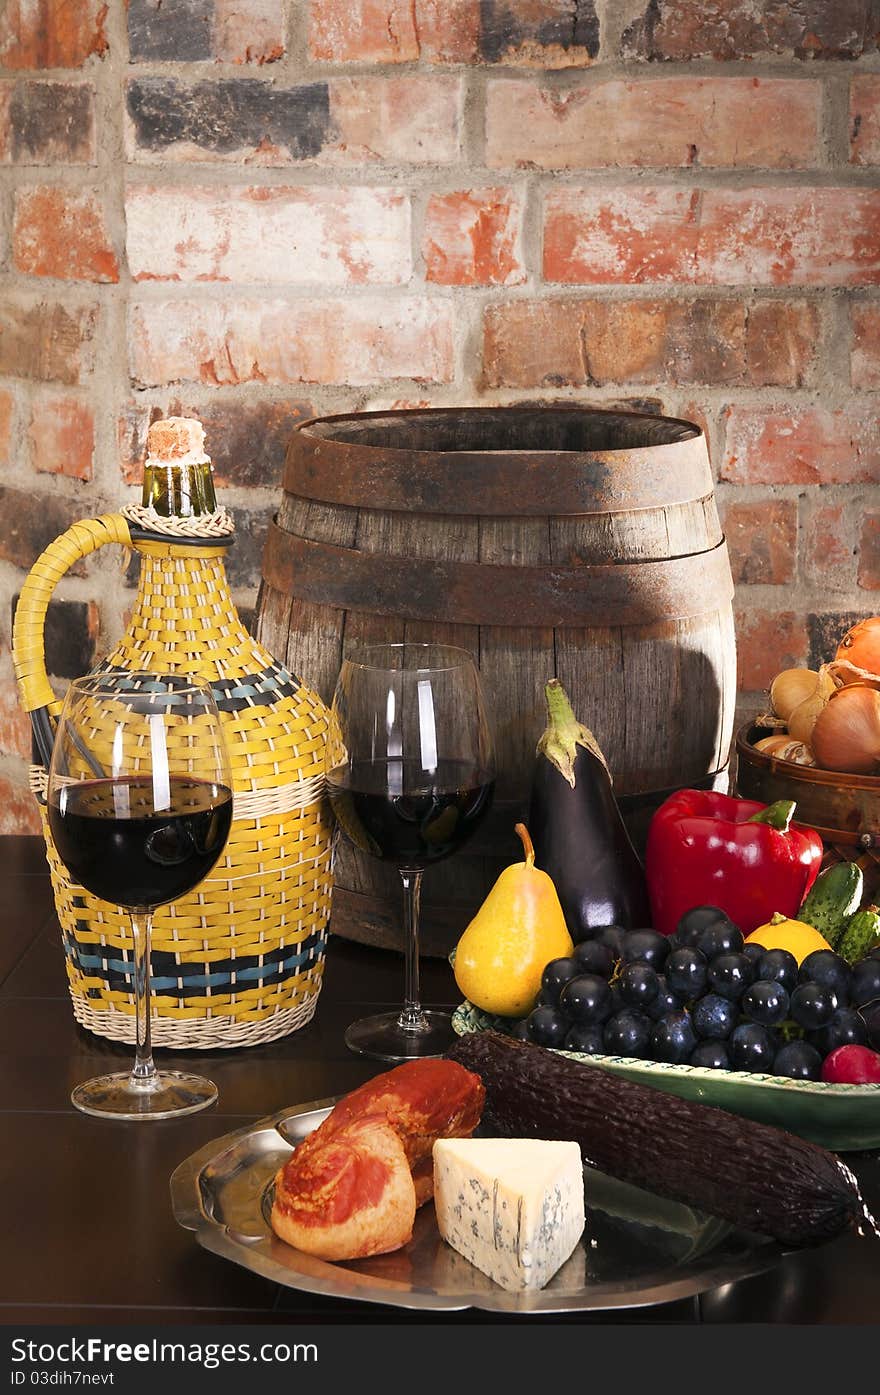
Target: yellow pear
[{"x": 517, "y": 931}]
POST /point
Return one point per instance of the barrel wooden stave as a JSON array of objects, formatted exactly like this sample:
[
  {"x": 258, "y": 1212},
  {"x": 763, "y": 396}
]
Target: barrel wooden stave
[{"x": 630, "y": 682}]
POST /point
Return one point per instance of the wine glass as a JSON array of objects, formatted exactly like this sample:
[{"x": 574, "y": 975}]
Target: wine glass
[
  {"x": 139, "y": 803},
  {"x": 410, "y": 776}
]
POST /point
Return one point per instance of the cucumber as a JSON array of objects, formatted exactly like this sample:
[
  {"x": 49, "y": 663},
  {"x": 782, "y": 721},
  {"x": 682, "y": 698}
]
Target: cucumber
[
  {"x": 836, "y": 894},
  {"x": 860, "y": 934}
]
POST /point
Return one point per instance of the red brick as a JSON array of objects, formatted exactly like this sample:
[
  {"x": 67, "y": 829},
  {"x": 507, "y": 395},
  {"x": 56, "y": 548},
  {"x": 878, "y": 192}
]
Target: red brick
[
  {"x": 15, "y": 726},
  {"x": 472, "y": 238},
  {"x": 781, "y": 342},
  {"x": 404, "y": 120},
  {"x": 19, "y": 812},
  {"x": 808, "y": 445},
  {"x": 359, "y": 340},
  {"x": 332, "y": 237},
  {"x": 551, "y": 34},
  {"x": 63, "y": 233},
  {"x": 766, "y": 643},
  {"x": 62, "y": 435},
  {"x": 341, "y": 121},
  {"x": 582, "y": 343},
  {"x": 762, "y": 541},
  {"x": 869, "y": 552},
  {"x": 7, "y": 403},
  {"x": 52, "y": 33},
  {"x": 248, "y": 31},
  {"x": 246, "y": 440},
  {"x": 732, "y": 122},
  {"x": 764, "y": 237},
  {"x": 47, "y": 123},
  {"x": 865, "y": 354},
  {"x": 229, "y": 31},
  {"x": 32, "y": 520},
  {"x": 394, "y": 31},
  {"x": 46, "y": 340},
  {"x": 731, "y": 29},
  {"x": 864, "y": 116},
  {"x": 828, "y": 549}
]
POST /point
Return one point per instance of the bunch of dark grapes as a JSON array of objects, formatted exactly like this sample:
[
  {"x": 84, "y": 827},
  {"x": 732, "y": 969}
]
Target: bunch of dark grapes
[{"x": 703, "y": 997}]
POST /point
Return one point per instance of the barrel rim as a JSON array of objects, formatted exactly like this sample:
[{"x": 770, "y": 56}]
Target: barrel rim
[
  {"x": 495, "y": 477},
  {"x": 693, "y": 429}
]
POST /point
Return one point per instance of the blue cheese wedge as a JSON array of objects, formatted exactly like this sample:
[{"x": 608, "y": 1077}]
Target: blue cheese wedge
[{"x": 514, "y": 1207}]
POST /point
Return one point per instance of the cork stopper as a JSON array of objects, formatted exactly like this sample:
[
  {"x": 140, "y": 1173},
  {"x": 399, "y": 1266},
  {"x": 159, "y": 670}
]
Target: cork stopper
[
  {"x": 178, "y": 478},
  {"x": 176, "y": 438}
]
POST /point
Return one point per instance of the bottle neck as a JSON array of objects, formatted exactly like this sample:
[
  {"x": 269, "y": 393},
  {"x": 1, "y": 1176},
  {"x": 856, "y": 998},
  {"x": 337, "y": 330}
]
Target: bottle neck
[{"x": 179, "y": 489}]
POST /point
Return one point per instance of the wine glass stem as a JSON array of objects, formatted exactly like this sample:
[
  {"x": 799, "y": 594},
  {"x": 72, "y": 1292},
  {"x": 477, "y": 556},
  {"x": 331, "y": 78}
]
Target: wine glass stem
[
  {"x": 412, "y": 1018},
  {"x": 144, "y": 1073}
]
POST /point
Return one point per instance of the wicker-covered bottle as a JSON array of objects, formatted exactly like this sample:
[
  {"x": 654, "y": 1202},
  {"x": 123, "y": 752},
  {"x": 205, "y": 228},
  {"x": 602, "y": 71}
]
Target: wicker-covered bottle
[{"x": 239, "y": 960}]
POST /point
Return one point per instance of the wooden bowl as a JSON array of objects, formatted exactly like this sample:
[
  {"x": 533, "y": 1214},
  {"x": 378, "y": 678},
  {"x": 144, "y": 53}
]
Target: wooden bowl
[{"x": 843, "y": 809}]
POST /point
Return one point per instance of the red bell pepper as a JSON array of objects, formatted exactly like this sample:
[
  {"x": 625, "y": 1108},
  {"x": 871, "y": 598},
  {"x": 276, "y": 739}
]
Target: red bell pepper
[{"x": 707, "y": 849}]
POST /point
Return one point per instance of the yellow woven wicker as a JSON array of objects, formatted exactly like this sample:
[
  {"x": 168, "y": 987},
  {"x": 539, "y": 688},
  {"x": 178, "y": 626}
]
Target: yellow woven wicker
[{"x": 239, "y": 960}]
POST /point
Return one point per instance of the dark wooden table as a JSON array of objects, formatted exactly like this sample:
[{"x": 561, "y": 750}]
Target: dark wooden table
[{"x": 88, "y": 1234}]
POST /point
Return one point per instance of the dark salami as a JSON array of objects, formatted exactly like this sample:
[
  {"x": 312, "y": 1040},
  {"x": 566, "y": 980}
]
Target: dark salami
[{"x": 757, "y": 1177}]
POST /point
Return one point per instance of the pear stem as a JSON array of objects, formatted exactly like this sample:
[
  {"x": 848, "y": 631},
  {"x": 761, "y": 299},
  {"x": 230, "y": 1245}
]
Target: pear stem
[{"x": 528, "y": 845}]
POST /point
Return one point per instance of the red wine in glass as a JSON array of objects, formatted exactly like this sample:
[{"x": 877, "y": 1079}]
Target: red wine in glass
[
  {"x": 117, "y": 844},
  {"x": 400, "y": 815}
]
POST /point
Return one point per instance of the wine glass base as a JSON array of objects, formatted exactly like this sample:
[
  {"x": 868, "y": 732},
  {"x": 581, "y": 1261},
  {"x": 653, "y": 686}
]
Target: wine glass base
[
  {"x": 383, "y": 1038},
  {"x": 173, "y": 1093}
]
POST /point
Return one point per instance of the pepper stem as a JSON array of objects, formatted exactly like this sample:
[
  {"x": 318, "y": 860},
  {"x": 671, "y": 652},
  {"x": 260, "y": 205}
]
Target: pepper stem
[
  {"x": 778, "y": 815},
  {"x": 528, "y": 845},
  {"x": 564, "y": 733}
]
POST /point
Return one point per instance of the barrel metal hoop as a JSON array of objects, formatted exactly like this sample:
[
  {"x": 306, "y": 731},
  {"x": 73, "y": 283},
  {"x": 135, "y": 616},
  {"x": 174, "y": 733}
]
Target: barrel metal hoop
[
  {"x": 472, "y": 593},
  {"x": 527, "y": 483}
]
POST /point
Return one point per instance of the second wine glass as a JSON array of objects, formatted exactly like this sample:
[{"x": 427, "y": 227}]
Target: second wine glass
[{"x": 411, "y": 774}]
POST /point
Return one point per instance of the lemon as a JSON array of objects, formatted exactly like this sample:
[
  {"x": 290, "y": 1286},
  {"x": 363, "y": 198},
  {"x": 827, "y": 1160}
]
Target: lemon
[{"x": 796, "y": 936}]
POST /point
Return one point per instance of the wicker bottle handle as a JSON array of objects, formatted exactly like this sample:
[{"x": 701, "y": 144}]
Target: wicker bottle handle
[{"x": 28, "y": 647}]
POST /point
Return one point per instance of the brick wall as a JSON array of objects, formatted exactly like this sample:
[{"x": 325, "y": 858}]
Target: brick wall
[{"x": 258, "y": 209}]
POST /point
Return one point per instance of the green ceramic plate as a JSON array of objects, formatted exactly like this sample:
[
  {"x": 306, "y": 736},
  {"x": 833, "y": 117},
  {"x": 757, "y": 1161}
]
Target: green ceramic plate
[{"x": 845, "y": 1118}]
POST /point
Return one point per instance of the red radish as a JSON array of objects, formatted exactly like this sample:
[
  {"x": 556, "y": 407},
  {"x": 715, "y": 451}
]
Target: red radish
[{"x": 852, "y": 1065}]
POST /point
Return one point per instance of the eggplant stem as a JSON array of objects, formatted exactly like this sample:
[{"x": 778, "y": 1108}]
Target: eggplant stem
[
  {"x": 564, "y": 733},
  {"x": 528, "y": 845}
]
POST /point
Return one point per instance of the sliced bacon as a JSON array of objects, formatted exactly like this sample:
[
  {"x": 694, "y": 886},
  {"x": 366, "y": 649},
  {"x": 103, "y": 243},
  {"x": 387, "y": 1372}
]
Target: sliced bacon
[{"x": 352, "y": 1187}]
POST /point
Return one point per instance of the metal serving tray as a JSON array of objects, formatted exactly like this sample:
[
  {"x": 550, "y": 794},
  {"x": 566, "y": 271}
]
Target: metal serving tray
[{"x": 637, "y": 1249}]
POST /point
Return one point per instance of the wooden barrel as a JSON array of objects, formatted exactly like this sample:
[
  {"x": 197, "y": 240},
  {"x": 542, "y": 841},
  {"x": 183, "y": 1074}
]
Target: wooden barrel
[{"x": 557, "y": 540}]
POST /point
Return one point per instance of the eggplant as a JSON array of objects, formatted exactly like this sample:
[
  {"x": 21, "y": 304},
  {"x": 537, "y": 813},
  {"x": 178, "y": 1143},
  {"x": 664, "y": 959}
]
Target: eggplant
[{"x": 580, "y": 839}]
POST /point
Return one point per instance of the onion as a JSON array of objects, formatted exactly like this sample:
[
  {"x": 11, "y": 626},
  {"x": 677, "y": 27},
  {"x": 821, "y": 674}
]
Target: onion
[
  {"x": 802, "y": 719},
  {"x": 790, "y": 688},
  {"x": 860, "y": 646},
  {"x": 783, "y": 748},
  {"x": 844, "y": 673},
  {"x": 846, "y": 734},
  {"x": 772, "y": 745},
  {"x": 797, "y": 752}
]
